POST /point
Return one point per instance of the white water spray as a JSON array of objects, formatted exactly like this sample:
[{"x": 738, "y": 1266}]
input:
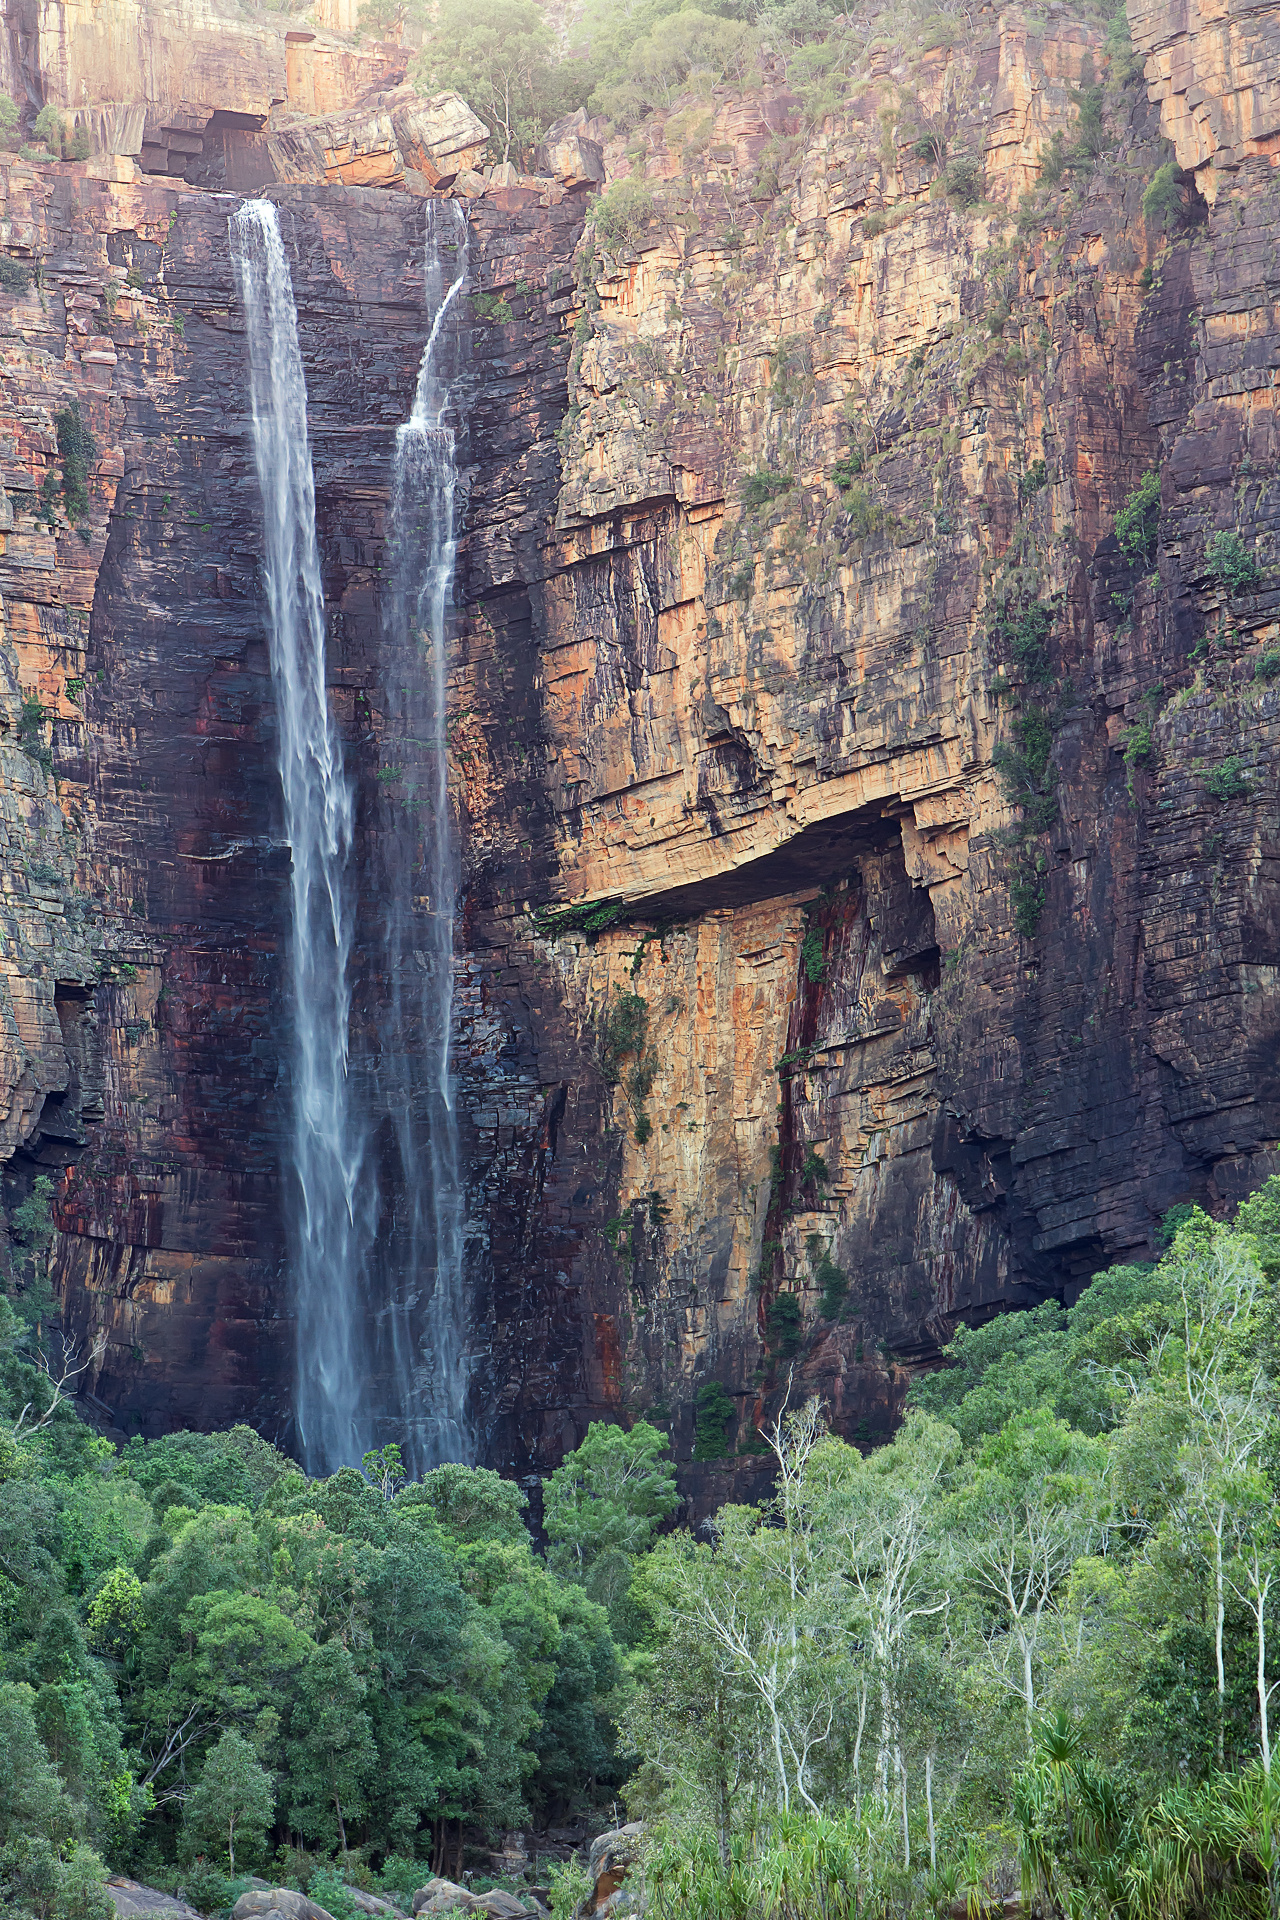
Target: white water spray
[
  {"x": 428, "y": 1361},
  {"x": 328, "y": 1234}
]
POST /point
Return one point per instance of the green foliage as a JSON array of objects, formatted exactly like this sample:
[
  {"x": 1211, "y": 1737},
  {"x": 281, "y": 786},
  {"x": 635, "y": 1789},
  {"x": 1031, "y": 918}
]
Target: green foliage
[
  {"x": 1137, "y": 740},
  {"x": 1230, "y": 562},
  {"x": 491, "y": 306},
  {"x": 1267, "y": 666},
  {"x": 233, "y": 1803},
  {"x": 77, "y": 451},
  {"x": 1023, "y": 762},
  {"x": 962, "y": 180},
  {"x": 784, "y": 1327},
  {"x": 623, "y": 212},
  {"x": 593, "y": 918},
  {"x": 834, "y": 1283},
  {"x": 383, "y": 1468},
  {"x": 847, "y": 469},
  {"x": 1023, "y": 629},
  {"x": 811, "y": 957},
  {"x": 32, "y": 1220},
  {"x": 602, "y": 1509},
  {"x": 500, "y": 55},
  {"x": 570, "y": 1883},
  {"x": 624, "y": 1034},
  {"x": 866, "y": 514},
  {"x": 14, "y": 276},
  {"x": 1229, "y": 781},
  {"x": 624, "y": 1030},
  {"x": 116, "y": 1616},
  {"x": 1028, "y": 896},
  {"x": 647, "y": 53},
  {"x": 1091, "y": 139},
  {"x": 1054, "y": 160},
  {"x": 49, "y": 128},
  {"x": 1138, "y": 521},
  {"x": 714, "y": 1411},
  {"x": 8, "y": 119},
  {"x": 1162, "y": 200},
  {"x": 1034, "y": 480},
  {"x": 763, "y": 486}
]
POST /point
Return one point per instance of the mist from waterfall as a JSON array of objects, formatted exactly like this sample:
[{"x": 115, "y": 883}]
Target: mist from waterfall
[
  {"x": 328, "y": 1224},
  {"x": 430, "y": 1375}
]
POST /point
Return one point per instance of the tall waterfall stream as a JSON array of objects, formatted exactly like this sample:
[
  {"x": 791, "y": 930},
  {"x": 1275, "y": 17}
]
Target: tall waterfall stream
[
  {"x": 420, "y": 868},
  {"x": 376, "y": 1267}
]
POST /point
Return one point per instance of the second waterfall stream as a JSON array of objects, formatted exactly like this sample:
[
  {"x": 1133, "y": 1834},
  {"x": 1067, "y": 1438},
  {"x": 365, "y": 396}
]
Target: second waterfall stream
[{"x": 375, "y": 1212}]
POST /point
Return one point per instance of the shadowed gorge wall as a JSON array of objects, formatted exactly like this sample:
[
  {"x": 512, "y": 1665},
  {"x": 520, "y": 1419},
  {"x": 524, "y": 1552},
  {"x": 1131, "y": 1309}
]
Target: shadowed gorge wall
[{"x": 920, "y": 837}]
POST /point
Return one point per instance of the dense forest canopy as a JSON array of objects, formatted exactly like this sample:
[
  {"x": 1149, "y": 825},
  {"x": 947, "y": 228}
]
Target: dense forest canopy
[{"x": 1032, "y": 1640}]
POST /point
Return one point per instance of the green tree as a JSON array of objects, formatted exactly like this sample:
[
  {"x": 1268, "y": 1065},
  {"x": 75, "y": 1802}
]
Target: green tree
[
  {"x": 330, "y": 1752},
  {"x": 500, "y": 56},
  {"x": 49, "y": 128},
  {"x": 32, "y": 1799},
  {"x": 611, "y": 1494},
  {"x": 234, "y": 1800},
  {"x": 1031, "y": 1504}
]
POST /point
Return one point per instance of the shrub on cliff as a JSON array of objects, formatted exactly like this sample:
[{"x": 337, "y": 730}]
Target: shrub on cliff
[
  {"x": 77, "y": 450},
  {"x": 1162, "y": 200},
  {"x": 621, "y": 215},
  {"x": 1231, "y": 563},
  {"x": 714, "y": 1410},
  {"x": 644, "y": 56},
  {"x": 48, "y": 127},
  {"x": 764, "y": 485},
  {"x": 1138, "y": 521}
]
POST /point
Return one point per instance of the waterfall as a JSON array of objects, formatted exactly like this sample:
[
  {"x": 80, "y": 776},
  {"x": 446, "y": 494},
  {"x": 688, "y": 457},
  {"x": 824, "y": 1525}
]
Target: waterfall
[
  {"x": 424, "y": 1339},
  {"x": 328, "y": 1221}
]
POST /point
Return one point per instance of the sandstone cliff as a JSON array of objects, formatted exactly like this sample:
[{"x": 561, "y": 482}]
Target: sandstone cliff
[{"x": 918, "y": 839}]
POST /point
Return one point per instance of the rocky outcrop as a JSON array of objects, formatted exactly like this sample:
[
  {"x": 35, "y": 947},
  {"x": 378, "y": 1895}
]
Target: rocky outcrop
[
  {"x": 1214, "y": 69},
  {"x": 202, "y": 91},
  {"x": 612, "y": 1868},
  {"x": 134, "y": 1901},
  {"x": 446, "y": 1896},
  {"x": 395, "y": 140},
  {"x": 150, "y": 78}
]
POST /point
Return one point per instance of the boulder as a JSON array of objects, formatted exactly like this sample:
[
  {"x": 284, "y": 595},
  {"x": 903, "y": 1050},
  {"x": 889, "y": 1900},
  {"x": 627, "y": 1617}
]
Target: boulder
[
  {"x": 613, "y": 1855},
  {"x": 469, "y": 184},
  {"x": 442, "y": 1896},
  {"x": 261, "y": 1902},
  {"x": 133, "y": 1901},
  {"x": 569, "y": 155},
  {"x": 504, "y": 175},
  {"x": 446, "y": 1896}
]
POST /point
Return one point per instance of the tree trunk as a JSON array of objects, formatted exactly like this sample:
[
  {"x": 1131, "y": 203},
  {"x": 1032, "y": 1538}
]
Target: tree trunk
[
  {"x": 928, "y": 1807},
  {"x": 1220, "y": 1615},
  {"x": 1264, "y": 1735}
]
